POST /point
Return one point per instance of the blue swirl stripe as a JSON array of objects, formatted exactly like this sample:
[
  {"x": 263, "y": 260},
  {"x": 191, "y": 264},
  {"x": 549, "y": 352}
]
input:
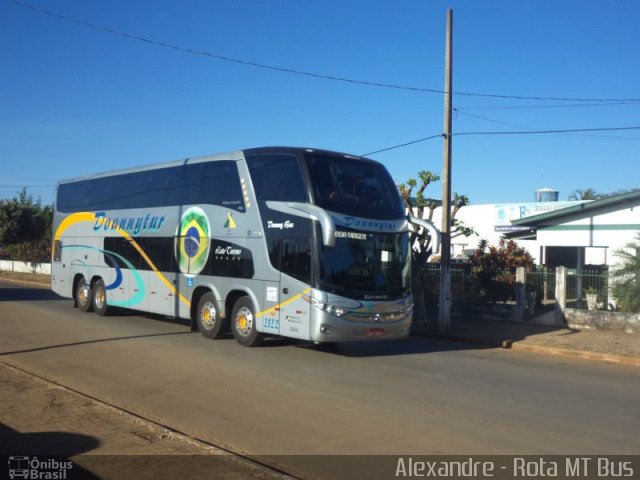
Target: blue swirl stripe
[{"x": 132, "y": 301}]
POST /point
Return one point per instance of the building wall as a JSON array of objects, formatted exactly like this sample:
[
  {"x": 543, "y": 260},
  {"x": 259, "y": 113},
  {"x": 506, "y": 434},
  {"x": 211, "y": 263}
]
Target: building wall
[
  {"x": 601, "y": 235},
  {"x": 485, "y": 219}
]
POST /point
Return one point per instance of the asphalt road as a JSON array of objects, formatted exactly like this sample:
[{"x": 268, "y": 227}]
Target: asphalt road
[{"x": 415, "y": 397}]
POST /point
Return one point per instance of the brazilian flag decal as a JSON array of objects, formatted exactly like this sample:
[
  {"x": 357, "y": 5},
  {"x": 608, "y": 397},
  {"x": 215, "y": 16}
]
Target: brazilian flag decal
[{"x": 192, "y": 247}]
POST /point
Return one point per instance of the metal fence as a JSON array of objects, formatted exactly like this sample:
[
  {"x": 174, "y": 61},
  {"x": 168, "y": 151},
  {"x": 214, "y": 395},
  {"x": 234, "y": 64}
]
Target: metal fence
[
  {"x": 580, "y": 283},
  {"x": 461, "y": 282},
  {"x": 540, "y": 283},
  {"x": 467, "y": 286}
]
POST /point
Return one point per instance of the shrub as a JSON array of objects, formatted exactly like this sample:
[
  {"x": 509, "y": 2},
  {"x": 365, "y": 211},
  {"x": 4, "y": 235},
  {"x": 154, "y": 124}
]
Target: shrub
[
  {"x": 494, "y": 267},
  {"x": 626, "y": 278}
]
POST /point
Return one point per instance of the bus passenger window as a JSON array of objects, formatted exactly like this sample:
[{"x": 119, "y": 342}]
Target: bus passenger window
[{"x": 277, "y": 177}]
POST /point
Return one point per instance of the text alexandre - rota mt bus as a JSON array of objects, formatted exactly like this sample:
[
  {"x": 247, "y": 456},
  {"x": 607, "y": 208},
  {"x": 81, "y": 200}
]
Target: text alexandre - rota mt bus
[{"x": 293, "y": 242}]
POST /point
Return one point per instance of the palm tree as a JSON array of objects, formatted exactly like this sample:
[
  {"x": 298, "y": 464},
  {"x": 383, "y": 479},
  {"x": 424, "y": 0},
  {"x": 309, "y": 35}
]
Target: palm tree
[
  {"x": 626, "y": 278},
  {"x": 586, "y": 194}
]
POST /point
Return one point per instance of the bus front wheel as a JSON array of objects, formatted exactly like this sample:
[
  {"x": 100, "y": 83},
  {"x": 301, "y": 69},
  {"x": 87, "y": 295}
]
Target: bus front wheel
[
  {"x": 243, "y": 323},
  {"x": 209, "y": 322},
  {"x": 100, "y": 305},
  {"x": 84, "y": 296}
]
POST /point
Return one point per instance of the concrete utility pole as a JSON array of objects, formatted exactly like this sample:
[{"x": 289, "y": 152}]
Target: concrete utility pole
[{"x": 444, "y": 319}]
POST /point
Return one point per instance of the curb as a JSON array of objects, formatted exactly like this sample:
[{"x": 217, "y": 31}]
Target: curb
[
  {"x": 604, "y": 357},
  {"x": 527, "y": 347}
]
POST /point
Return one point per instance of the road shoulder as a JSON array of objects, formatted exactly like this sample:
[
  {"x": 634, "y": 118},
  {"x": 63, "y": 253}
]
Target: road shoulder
[{"x": 45, "y": 419}]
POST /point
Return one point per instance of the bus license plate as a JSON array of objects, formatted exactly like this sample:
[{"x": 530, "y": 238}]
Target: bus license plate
[{"x": 375, "y": 332}]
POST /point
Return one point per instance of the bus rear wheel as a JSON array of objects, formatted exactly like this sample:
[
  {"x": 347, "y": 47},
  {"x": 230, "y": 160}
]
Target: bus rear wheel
[
  {"x": 243, "y": 323},
  {"x": 100, "y": 305},
  {"x": 84, "y": 296},
  {"x": 209, "y": 322}
]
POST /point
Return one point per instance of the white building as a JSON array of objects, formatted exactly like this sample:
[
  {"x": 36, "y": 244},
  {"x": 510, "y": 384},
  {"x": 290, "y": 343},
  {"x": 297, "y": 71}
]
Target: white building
[{"x": 573, "y": 234}]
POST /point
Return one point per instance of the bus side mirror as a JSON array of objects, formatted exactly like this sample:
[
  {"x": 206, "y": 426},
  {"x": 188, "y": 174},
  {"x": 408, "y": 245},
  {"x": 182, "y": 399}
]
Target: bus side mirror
[
  {"x": 431, "y": 228},
  {"x": 313, "y": 212}
]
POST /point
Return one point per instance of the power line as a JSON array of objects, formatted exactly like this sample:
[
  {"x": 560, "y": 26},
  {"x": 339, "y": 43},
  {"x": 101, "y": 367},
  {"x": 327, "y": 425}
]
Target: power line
[
  {"x": 525, "y": 107},
  {"x": 214, "y": 55},
  {"x": 28, "y": 185},
  {"x": 292, "y": 71},
  {"x": 526, "y": 132},
  {"x": 402, "y": 145},
  {"x": 487, "y": 119},
  {"x": 491, "y": 120},
  {"x": 541, "y": 132}
]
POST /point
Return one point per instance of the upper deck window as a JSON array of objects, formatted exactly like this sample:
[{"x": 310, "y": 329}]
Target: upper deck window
[
  {"x": 354, "y": 187},
  {"x": 277, "y": 177},
  {"x": 212, "y": 183}
]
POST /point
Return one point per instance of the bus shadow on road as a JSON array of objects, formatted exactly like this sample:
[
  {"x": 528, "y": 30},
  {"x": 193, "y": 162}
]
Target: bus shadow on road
[
  {"x": 27, "y": 294},
  {"x": 408, "y": 346},
  {"x": 98, "y": 340}
]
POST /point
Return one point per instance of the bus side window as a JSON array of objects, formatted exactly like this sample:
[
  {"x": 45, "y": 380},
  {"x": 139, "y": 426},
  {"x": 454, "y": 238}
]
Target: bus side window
[
  {"x": 142, "y": 194},
  {"x": 296, "y": 258},
  {"x": 72, "y": 197},
  {"x": 173, "y": 186},
  {"x": 214, "y": 183},
  {"x": 231, "y": 191},
  {"x": 192, "y": 183},
  {"x": 277, "y": 177}
]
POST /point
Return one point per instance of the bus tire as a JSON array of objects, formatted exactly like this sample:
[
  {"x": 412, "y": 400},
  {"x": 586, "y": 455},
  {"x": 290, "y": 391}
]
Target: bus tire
[
  {"x": 100, "y": 305},
  {"x": 243, "y": 323},
  {"x": 209, "y": 322},
  {"x": 84, "y": 296}
]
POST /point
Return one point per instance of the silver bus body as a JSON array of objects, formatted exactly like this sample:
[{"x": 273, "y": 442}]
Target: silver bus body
[{"x": 245, "y": 239}]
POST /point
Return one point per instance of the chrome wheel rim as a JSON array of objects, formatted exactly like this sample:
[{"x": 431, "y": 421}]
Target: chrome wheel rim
[
  {"x": 83, "y": 294},
  {"x": 208, "y": 315},
  {"x": 244, "y": 321},
  {"x": 101, "y": 297}
]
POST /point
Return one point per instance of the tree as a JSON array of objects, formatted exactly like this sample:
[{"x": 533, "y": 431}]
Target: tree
[
  {"x": 458, "y": 228},
  {"x": 620, "y": 191},
  {"x": 25, "y": 227},
  {"x": 591, "y": 194},
  {"x": 626, "y": 278},
  {"x": 419, "y": 238},
  {"x": 424, "y": 208},
  {"x": 586, "y": 194},
  {"x": 494, "y": 268}
]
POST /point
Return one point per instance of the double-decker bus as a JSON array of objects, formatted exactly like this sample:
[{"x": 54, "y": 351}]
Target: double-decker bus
[{"x": 293, "y": 242}]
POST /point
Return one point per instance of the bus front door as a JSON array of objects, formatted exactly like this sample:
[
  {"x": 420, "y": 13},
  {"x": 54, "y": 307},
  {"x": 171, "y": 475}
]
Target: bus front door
[{"x": 295, "y": 276}]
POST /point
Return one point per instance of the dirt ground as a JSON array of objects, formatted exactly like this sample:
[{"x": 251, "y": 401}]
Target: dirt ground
[{"x": 40, "y": 418}]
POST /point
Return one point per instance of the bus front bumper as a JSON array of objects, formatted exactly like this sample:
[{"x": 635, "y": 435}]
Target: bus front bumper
[{"x": 331, "y": 328}]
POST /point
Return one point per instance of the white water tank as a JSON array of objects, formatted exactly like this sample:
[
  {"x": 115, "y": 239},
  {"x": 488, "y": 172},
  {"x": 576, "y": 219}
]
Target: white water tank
[{"x": 546, "y": 195}]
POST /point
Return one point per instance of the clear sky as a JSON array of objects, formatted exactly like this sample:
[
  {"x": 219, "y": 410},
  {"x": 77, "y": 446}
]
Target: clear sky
[{"x": 76, "y": 100}]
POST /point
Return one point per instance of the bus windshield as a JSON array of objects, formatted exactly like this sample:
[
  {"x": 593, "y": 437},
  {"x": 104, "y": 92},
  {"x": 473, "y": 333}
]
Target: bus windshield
[
  {"x": 366, "y": 266},
  {"x": 353, "y": 186}
]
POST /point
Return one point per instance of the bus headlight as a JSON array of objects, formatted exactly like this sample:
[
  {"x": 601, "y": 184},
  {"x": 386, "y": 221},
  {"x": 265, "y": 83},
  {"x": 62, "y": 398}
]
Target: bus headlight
[
  {"x": 327, "y": 307},
  {"x": 337, "y": 311}
]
